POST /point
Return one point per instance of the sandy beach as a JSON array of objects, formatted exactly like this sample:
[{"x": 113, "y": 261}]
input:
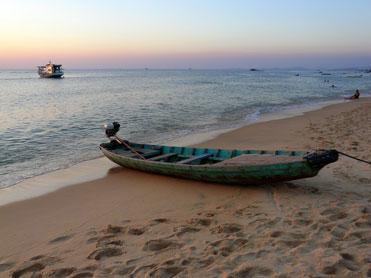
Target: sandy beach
[{"x": 134, "y": 224}]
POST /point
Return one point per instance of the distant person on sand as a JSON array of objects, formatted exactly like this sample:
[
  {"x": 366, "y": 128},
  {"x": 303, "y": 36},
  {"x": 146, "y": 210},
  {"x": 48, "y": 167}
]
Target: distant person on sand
[{"x": 355, "y": 96}]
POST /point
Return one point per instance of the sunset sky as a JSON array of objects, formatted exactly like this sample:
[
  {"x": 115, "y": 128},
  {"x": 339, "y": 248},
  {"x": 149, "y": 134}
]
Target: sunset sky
[{"x": 185, "y": 33}]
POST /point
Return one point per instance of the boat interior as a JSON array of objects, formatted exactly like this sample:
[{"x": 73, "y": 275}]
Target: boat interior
[{"x": 203, "y": 156}]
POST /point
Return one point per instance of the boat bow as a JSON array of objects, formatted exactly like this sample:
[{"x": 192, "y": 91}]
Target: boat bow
[{"x": 321, "y": 158}]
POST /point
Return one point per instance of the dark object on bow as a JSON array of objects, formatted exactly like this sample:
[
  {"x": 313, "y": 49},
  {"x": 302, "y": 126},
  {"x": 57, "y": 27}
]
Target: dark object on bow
[
  {"x": 321, "y": 158},
  {"x": 112, "y": 129}
]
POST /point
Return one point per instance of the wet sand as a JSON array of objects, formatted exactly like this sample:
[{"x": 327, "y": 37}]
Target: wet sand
[{"x": 133, "y": 224}]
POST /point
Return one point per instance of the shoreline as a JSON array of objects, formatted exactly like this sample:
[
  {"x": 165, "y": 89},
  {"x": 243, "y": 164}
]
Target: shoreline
[
  {"x": 131, "y": 223},
  {"x": 199, "y": 138},
  {"x": 98, "y": 168}
]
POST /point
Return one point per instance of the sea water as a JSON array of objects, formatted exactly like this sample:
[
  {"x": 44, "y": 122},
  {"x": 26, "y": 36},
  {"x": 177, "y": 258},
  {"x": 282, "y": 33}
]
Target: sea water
[{"x": 50, "y": 124}]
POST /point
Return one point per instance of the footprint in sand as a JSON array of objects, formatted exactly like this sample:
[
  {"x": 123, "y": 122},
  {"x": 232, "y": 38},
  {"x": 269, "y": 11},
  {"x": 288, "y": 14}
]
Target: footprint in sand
[
  {"x": 290, "y": 243},
  {"x": 99, "y": 239},
  {"x": 125, "y": 221},
  {"x": 124, "y": 270},
  {"x": 363, "y": 224},
  {"x": 200, "y": 221},
  {"x": 237, "y": 212},
  {"x": 334, "y": 214},
  {"x": 275, "y": 234},
  {"x": 113, "y": 229},
  {"x": 38, "y": 257},
  {"x": 338, "y": 232},
  {"x": 300, "y": 213},
  {"x": 6, "y": 266},
  {"x": 27, "y": 267},
  {"x": 185, "y": 230},
  {"x": 330, "y": 265},
  {"x": 299, "y": 222},
  {"x": 99, "y": 254},
  {"x": 108, "y": 242},
  {"x": 362, "y": 236},
  {"x": 158, "y": 221},
  {"x": 83, "y": 275},
  {"x": 228, "y": 228},
  {"x": 136, "y": 231},
  {"x": 366, "y": 210},
  {"x": 141, "y": 271},
  {"x": 243, "y": 258},
  {"x": 365, "y": 180},
  {"x": 349, "y": 261},
  {"x": 91, "y": 233},
  {"x": 92, "y": 240},
  {"x": 177, "y": 261},
  {"x": 60, "y": 239},
  {"x": 203, "y": 263},
  {"x": 226, "y": 246},
  {"x": 33, "y": 266},
  {"x": 89, "y": 268},
  {"x": 303, "y": 222},
  {"x": 61, "y": 272},
  {"x": 167, "y": 272},
  {"x": 252, "y": 271},
  {"x": 273, "y": 222},
  {"x": 207, "y": 214},
  {"x": 160, "y": 244}
]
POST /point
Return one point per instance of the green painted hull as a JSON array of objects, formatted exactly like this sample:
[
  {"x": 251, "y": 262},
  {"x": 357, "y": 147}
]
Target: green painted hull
[{"x": 212, "y": 170}]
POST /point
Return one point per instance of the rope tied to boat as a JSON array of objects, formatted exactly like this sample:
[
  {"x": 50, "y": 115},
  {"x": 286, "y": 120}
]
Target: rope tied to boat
[
  {"x": 356, "y": 158},
  {"x": 348, "y": 155}
]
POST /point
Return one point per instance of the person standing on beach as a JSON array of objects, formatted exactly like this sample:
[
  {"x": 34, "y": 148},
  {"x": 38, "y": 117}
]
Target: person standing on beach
[{"x": 355, "y": 96}]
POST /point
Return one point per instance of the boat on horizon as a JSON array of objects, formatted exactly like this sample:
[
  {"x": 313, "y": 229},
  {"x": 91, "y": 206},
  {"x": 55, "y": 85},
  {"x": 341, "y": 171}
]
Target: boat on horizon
[
  {"x": 50, "y": 71},
  {"x": 355, "y": 76},
  {"x": 216, "y": 165}
]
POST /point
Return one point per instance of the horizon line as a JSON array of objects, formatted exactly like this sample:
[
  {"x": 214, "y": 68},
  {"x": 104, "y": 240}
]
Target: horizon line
[{"x": 196, "y": 68}]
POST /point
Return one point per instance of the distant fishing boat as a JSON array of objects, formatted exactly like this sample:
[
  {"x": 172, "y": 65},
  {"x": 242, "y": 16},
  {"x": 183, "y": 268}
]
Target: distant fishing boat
[
  {"x": 355, "y": 76},
  {"x": 215, "y": 165},
  {"x": 50, "y": 71}
]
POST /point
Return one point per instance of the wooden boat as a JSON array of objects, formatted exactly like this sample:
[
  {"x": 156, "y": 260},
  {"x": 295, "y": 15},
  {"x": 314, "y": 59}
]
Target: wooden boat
[
  {"x": 355, "y": 76},
  {"x": 50, "y": 71},
  {"x": 218, "y": 165}
]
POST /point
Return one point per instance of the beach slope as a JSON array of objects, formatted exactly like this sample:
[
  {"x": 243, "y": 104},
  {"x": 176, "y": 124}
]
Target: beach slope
[{"x": 134, "y": 224}]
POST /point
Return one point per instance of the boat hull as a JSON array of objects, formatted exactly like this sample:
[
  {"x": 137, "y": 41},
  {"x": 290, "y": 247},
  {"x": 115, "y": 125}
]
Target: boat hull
[
  {"x": 231, "y": 174},
  {"x": 54, "y": 75}
]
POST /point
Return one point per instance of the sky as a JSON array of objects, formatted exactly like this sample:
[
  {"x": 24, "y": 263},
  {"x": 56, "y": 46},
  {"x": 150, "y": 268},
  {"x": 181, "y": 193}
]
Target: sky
[{"x": 185, "y": 33}]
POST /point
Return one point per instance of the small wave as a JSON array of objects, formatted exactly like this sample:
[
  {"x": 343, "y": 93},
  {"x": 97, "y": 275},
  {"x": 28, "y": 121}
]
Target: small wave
[
  {"x": 20, "y": 78},
  {"x": 253, "y": 116},
  {"x": 207, "y": 82}
]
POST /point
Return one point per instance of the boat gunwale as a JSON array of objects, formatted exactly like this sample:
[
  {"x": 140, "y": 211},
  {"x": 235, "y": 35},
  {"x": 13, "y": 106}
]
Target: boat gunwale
[{"x": 214, "y": 167}]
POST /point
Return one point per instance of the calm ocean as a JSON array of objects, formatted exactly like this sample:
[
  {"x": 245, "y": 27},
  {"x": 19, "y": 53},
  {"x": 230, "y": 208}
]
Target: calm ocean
[{"x": 50, "y": 124}]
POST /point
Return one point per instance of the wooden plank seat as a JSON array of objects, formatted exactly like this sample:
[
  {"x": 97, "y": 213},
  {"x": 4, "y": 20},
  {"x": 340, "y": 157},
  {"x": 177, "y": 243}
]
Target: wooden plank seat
[
  {"x": 144, "y": 152},
  {"x": 151, "y": 154},
  {"x": 124, "y": 153},
  {"x": 194, "y": 159},
  {"x": 162, "y": 157}
]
